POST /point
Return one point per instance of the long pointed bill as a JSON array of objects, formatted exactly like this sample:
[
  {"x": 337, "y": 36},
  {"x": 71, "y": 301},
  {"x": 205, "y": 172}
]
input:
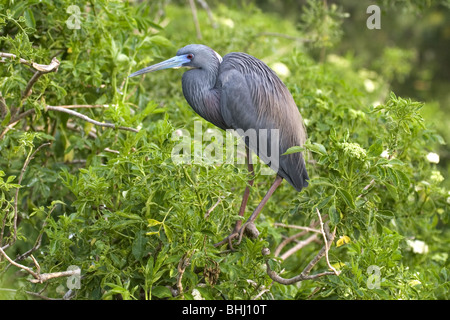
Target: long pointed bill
[{"x": 175, "y": 62}]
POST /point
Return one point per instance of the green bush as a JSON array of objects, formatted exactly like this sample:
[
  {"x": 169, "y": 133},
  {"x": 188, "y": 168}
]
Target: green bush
[{"x": 113, "y": 203}]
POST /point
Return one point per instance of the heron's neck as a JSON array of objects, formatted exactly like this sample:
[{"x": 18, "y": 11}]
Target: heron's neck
[{"x": 201, "y": 94}]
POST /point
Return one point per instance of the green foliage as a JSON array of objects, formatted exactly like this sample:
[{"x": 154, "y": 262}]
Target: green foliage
[{"x": 113, "y": 203}]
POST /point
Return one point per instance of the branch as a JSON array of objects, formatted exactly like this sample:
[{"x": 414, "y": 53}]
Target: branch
[
  {"x": 301, "y": 277},
  {"x": 295, "y": 236},
  {"x": 38, "y": 277},
  {"x": 3, "y": 107},
  {"x": 184, "y": 262},
  {"x": 328, "y": 238},
  {"x": 208, "y": 11},
  {"x": 86, "y": 118},
  {"x": 298, "y": 246},
  {"x": 213, "y": 207},
  {"x": 327, "y": 242},
  {"x": 16, "y": 197},
  {"x": 296, "y": 227},
  {"x": 66, "y": 109},
  {"x": 366, "y": 188},
  {"x": 194, "y": 16}
]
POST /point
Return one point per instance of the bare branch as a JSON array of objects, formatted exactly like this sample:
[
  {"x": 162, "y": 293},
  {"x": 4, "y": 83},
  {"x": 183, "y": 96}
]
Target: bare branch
[
  {"x": 47, "y": 276},
  {"x": 327, "y": 242},
  {"x": 301, "y": 277},
  {"x": 209, "y": 12},
  {"x": 298, "y": 246},
  {"x": 366, "y": 188},
  {"x": 184, "y": 262},
  {"x": 86, "y": 118},
  {"x": 66, "y": 109},
  {"x": 40, "y": 278},
  {"x": 296, "y": 227},
  {"x": 304, "y": 275},
  {"x": 194, "y": 16},
  {"x": 41, "y": 69},
  {"x": 213, "y": 207},
  {"x": 3, "y": 107},
  {"x": 16, "y": 197}
]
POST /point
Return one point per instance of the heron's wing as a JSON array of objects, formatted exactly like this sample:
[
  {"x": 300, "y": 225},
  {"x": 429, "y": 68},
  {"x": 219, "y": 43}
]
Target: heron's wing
[{"x": 253, "y": 97}]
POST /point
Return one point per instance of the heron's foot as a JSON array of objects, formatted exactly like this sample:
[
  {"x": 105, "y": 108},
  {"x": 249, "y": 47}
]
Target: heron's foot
[{"x": 248, "y": 228}]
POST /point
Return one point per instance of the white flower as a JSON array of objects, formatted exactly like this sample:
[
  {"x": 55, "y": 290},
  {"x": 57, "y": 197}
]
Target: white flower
[
  {"x": 281, "y": 69},
  {"x": 418, "y": 246},
  {"x": 385, "y": 154},
  {"x": 433, "y": 157},
  {"x": 353, "y": 149},
  {"x": 227, "y": 22},
  {"x": 369, "y": 85},
  {"x": 376, "y": 103},
  {"x": 196, "y": 295}
]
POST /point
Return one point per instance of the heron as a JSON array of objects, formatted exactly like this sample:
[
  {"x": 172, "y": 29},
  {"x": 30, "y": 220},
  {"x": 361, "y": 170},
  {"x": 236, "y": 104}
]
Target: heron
[{"x": 240, "y": 92}]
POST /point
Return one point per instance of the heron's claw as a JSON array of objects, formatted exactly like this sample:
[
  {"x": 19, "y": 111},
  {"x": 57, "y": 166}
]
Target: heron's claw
[{"x": 249, "y": 228}]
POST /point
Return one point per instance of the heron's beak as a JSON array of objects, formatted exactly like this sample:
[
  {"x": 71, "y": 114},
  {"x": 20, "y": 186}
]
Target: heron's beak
[{"x": 175, "y": 62}]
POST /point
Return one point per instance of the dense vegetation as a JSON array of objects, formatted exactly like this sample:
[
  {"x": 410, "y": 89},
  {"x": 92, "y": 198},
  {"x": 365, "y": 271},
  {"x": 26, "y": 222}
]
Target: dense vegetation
[{"x": 110, "y": 200}]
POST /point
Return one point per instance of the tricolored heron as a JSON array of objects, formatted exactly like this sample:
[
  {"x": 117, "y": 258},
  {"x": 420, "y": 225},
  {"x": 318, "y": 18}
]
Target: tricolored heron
[{"x": 242, "y": 92}]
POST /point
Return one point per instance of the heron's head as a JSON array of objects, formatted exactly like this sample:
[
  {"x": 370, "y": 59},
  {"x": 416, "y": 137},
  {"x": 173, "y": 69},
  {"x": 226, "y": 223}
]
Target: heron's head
[{"x": 196, "y": 56}]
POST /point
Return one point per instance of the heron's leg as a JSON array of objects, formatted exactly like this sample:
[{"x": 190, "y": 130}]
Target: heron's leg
[
  {"x": 247, "y": 190},
  {"x": 269, "y": 193},
  {"x": 239, "y": 233}
]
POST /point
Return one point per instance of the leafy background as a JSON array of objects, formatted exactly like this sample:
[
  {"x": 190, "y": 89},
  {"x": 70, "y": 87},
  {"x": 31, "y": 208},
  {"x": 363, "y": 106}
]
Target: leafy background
[{"x": 114, "y": 204}]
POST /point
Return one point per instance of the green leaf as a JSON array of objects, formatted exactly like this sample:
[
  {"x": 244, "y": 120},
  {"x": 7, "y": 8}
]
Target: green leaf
[
  {"x": 388, "y": 214},
  {"x": 161, "y": 292},
  {"x": 153, "y": 222},
  {"x": 294, "y": 149},
  {"x": 335, "y": 216},
  {"x": 376, "y": 149},
  {"x": 138, "y": 247},
  {"x": 347, "y": 198},
  {"x": 161, "y": 41},
  {"x": 168, "y": 231}
]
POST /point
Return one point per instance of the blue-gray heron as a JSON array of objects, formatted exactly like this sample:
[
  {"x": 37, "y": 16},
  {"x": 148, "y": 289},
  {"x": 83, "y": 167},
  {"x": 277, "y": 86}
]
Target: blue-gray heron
[{"x": 242, "y": 93}]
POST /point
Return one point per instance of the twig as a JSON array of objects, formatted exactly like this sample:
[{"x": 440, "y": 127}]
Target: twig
[
  {"x": 301, "y": 277},
  {"x": 30, "y": 271},
  {"x": 296, "y": 227},
  {"x": 38, "y": 241},
  {"x": 298, "y": 246},
  {"x": 86, "y": 118},
  {"x": 86, "y": 106},
  {"x": 38, "y": 277},
  {"x": 366, "y": 188},
  {"x": 213, "y": 207},
  {"x": 41, "y": 69},
  {"x": 327, "y": 243},
  {"x": 16, "y": 197},
  {"x": 293, "y": 237},
  {"x": 3, "y": 107},
  {"x": 304, "y": 275},
  {"x": 184, "y": 262},
  {"x": 208, "y": 11},
  {"x": 194, "y": 16}
]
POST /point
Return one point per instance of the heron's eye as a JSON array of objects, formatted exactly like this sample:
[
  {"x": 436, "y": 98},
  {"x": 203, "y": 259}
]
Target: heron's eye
[{"x": 190, "y": 56}]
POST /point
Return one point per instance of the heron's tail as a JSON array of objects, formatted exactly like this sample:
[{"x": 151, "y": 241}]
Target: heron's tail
[{"x": 293, "y": 169}]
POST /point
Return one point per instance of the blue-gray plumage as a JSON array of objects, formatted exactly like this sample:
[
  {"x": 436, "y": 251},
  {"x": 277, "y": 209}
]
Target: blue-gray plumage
[{"x": 241, "y": 92}]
